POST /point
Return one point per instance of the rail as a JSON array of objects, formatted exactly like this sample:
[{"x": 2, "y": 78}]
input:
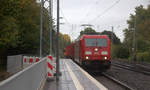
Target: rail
[
  {"x": 132, "y": 68},
  {"x": 118, "y": 82}
]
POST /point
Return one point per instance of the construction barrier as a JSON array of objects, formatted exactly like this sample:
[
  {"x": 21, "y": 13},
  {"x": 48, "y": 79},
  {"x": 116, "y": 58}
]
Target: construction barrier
[
  {"x": 30, "y": 60},
  {"x": 50, "y": 67}
]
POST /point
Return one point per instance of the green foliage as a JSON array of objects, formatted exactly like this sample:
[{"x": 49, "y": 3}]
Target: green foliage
[
  {"x": 143, "y": 45},
  {"x": 142, "y": 57},
  {"x": 20, "y": 27},
  {"x": 119, "y": 51},
  {"x": 9, "y": 32},
  {"x": 142, "y": 31},
  {"x": 112, "y": 36},
  {"x": 88, "y": 31}
]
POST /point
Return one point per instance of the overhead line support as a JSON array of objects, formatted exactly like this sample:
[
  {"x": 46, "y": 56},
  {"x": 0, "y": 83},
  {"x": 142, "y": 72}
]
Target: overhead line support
[{"x": 57, "y": 44}]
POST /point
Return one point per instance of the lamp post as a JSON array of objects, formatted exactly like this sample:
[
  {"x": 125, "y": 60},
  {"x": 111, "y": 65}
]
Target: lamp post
[
  {"x": 135, "y": 40},
  {"x": 51, "y": 23},
  {"x": 41, "y": 27},
  {"x": 57, "y": 44}
]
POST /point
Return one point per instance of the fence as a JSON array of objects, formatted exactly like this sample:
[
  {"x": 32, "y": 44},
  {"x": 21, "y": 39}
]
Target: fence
[
  {"x": 14, "y": 63},
  {"x": 30, "y": 78}
]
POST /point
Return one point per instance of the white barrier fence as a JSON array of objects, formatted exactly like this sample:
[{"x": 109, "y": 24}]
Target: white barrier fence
[
  {"x": 14, "y": 63},
  {"x": 30, "y": 60},
  {"x": 30, "y": 78}
]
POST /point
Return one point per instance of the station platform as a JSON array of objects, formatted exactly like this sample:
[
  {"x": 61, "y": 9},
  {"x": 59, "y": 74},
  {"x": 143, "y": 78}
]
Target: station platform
[{"x": 73, "y": 78}]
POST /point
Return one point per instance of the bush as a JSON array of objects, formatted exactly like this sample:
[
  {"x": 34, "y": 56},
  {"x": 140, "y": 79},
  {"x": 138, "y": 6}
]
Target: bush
[
  {"x": 142, "y": 56},
  {"x": 119, "y": 51}
]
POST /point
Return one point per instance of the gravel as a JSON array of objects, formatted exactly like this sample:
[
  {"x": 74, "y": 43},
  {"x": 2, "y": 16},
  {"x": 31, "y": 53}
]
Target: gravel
[{"x": 138, "y": 81}]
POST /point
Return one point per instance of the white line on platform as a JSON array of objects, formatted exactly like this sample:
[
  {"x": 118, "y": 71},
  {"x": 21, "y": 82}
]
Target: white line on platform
[
  {"x": 99, "y": 85},
  {"x": 74, "y": 78}
]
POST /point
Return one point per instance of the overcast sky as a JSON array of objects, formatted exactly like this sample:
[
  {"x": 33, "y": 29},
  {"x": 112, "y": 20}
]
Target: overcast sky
[{"x": 102, "y": 14}]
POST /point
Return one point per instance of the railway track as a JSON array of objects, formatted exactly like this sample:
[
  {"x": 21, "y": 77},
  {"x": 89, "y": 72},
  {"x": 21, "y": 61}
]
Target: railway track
[
  {"x": 125, "y": 86},
  {"x": 110, "y": 82},
  {"x": 134, "y": 68}
]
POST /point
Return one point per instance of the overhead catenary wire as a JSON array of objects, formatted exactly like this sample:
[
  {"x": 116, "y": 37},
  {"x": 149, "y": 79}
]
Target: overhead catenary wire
[
  {"x": 105, "y": 11},
  {"x": 89, "y": 9},
  {"x": 64, "y": 16},
  {"x": 72, "y": 33}
]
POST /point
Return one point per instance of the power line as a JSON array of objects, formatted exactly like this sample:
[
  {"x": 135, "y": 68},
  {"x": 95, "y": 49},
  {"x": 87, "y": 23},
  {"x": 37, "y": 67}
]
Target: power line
[
  {"x": 89, "y": 10},
  {"x": 71, "y": 25},
  {"x": 64, "y": 16},
  {"x": 106, "y": 10}
]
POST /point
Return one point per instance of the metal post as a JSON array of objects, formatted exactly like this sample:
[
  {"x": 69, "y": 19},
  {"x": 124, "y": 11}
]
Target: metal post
[
  {"x": 112, "y": 34},
  {"x": 135, "y": 41},
  {"x": 41, "y": 28},
  {"x": 57, "y": 44},
  {"x": 51, "y": 26},
  {"x": 112, "y": 40}
]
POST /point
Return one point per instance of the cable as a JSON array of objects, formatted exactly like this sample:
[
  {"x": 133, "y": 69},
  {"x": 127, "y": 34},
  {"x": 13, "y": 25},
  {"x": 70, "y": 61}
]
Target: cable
[
  {"x": 72, "y": 29},
  {"x": 64, "y": 16},
  {"x": 106, "y": 10},
  {"x": 89, "y": 9}
]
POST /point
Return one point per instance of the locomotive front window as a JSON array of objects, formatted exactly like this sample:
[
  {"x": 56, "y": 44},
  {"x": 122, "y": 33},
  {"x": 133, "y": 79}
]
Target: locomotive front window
[{"x": 101, "y": 42}]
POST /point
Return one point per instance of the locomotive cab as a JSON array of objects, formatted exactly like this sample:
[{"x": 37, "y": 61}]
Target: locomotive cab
[{"x": 96, "y": 51}]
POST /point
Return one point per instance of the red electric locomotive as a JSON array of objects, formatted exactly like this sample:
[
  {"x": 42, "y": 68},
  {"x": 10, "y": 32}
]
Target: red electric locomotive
[{"x": 93, "y": 51}]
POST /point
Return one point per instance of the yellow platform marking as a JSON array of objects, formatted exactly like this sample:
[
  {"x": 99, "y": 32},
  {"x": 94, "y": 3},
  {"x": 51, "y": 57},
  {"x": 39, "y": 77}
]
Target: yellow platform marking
[
  {"x": 100, "y": 86},
  {"x": 74, "y": 78}
]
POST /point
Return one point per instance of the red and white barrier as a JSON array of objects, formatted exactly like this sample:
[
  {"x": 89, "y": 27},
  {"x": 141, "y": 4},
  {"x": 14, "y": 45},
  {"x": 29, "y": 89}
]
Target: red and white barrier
[
  {"x": 50, "y": 67},
  {"x": 30, "y": 60}
]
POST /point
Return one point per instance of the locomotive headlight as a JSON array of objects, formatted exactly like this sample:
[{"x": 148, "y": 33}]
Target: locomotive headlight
[
  {"x": 104, "y": 53},
  {"x": 86, "y": 57},
  {"x": 105, "y": 58},
  {"x": 96, "y": 49},
  {"x": 88, "y": 53}
]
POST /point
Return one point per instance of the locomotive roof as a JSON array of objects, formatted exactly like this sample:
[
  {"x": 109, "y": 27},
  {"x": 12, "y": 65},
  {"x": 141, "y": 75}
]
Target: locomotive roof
[
  {"x": 88, "y": 36},
  {"x": 92, "y": 36}
]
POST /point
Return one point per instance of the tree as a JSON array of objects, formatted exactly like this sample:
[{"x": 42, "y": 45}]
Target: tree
[
  {"x": 9, "y": 27},
  {"x": 142, "y": 28},
  {"x": 67, "y": 38},
  {"x": 88, "y": 31},
  {"x": 20, "y": 27},
  {"x": 142, "y": 18},
  {"x": 119, "y": 51},
  {"x": 114, "y": 39}
]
